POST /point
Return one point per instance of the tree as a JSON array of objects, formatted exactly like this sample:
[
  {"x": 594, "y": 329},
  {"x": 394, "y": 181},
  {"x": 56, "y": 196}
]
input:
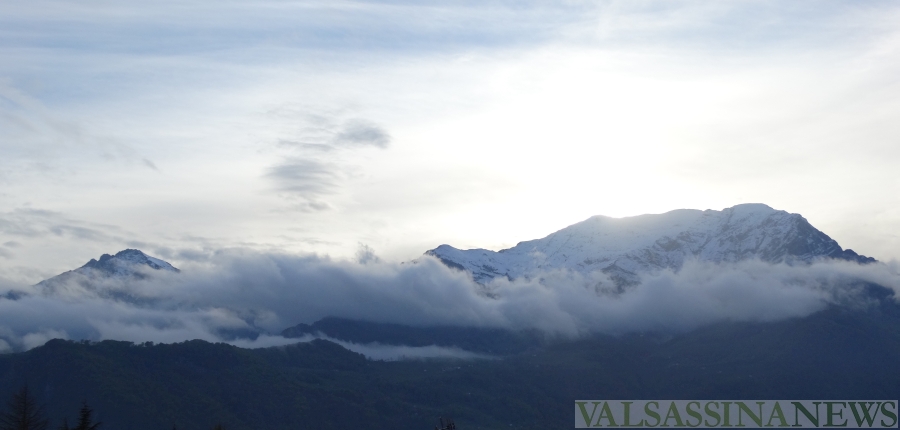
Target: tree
[
  {"x": 23, "y": 413},
  {"x": 85, "y": 422}
]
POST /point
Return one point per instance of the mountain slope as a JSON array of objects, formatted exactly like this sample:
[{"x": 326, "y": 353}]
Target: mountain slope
[
  {"x": 318, "y": 385},
  {"x": 623, "y": 248},
  {"x": 125, "y": 262},
  {"x": 125, "y": 265}
]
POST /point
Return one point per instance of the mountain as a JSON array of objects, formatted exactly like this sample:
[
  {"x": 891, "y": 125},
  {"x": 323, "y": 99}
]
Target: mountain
[
  {"x": 624, "y": 248},
  {"x": 128, "y": 264},
  {"x": 125, "y": 263},
  {"x": 836, "y": 354},
  {"x": 528, "y": 381}
]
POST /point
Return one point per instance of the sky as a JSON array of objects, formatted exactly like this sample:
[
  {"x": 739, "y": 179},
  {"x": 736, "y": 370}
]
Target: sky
[{"x": 302, "y": 127}]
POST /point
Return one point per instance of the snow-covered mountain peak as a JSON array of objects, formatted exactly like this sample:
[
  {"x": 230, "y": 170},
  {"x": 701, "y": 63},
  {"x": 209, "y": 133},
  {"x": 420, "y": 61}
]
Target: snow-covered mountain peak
[
  {"x": 625, "y": 247},
  {"x": 125, "y": 263},
  {"x": 107, "y": 275}
]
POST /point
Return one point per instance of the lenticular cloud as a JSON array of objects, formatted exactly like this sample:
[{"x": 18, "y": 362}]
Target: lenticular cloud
[{"x": 247, "y": 298}]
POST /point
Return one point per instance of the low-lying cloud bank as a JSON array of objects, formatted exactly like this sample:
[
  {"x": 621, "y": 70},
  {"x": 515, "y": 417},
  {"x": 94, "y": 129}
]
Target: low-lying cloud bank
[
  {"x": 378, "y": 351},
  {"x": 237, "y": 294}
]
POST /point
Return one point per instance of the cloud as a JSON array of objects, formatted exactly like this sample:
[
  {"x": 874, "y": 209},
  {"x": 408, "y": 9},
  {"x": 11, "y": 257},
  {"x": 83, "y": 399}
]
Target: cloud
[
  {"x": 376, "y": 351},
  {"x": 38, "y": 338},
  {"x": 43, "y": 235},
  {"x": 306, "y": 178},
  {"x": 202, "y": 26},
  {"x": 365, "y": 254},
  {"x": 314, "y": 166},
  {"x": 35, "y": 135},
  {"x": 359, "y": 132},
  {"x": 246, "y": 297},
  {"x": 699, "y": 294},
  {"x": 31, "y": 223}
]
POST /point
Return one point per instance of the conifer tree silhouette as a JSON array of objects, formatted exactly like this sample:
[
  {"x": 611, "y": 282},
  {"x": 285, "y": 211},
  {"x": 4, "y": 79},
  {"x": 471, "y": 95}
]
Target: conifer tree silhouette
[
  {"x": 23, "y": 413},
  {"x": 85, "y": 422}
]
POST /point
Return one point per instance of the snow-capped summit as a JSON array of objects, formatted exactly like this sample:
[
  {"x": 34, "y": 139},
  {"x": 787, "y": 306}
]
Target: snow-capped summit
[
  {"x": 124, "y": 263},
  {"x": 625, "y": 247},
  {"x": 107, "y": 275}
]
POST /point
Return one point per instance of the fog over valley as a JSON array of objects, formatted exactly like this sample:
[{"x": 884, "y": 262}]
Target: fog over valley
[{"x": 248, "y": 298}]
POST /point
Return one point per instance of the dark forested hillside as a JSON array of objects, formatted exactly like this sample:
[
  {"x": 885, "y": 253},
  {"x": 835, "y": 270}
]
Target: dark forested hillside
[{"x": 837, "y": 353}]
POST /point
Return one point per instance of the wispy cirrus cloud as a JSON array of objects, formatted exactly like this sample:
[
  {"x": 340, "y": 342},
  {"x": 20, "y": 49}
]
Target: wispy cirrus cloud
[
  {"x": 33, "y": 223},
  {"x": 328, "y": 130},
  {"x": 358, "y": 132},
  {"x": 33, "y": 135},
  {"x": 313, "y": 151},
  {"x": 306, "y": 179}
]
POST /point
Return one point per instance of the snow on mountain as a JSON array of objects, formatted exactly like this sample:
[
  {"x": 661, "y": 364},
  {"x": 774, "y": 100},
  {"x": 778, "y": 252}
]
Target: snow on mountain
[
  {"x": 125, "y": 265},
  {"x": 623, "y": 248}
]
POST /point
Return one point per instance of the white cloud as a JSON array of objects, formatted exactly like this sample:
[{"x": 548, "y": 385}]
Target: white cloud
[
  {"x": 386, "y": 352},
  {"x": 376, "y": 351},
  {"x": 239, "y": 293},
  {"x": 36, "y": 339}
]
